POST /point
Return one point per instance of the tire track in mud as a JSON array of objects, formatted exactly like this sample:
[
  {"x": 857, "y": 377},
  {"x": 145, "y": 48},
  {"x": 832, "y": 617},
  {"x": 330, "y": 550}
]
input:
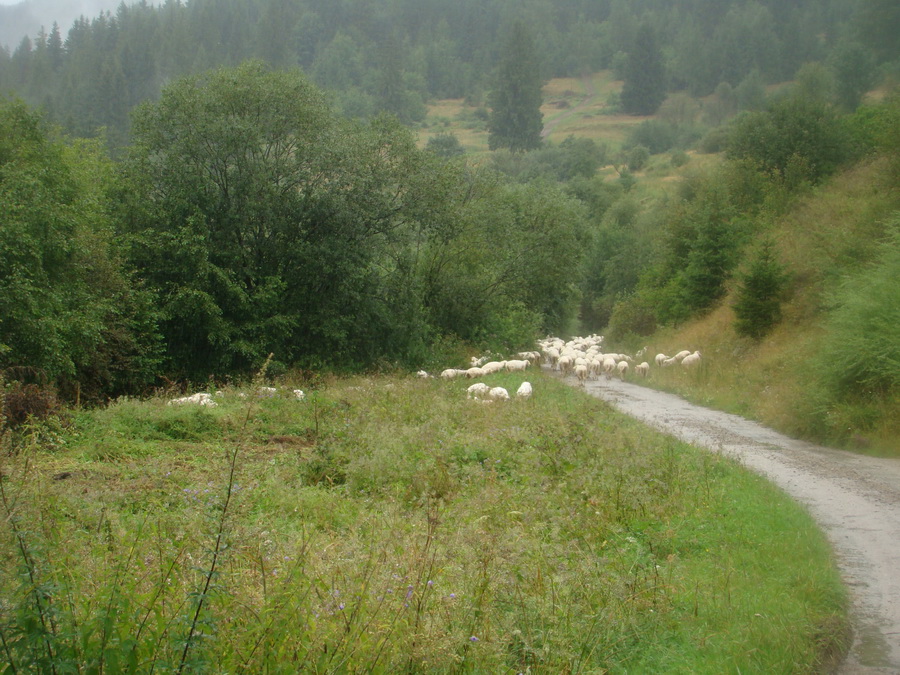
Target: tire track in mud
[{"x": 855, "y": 500}]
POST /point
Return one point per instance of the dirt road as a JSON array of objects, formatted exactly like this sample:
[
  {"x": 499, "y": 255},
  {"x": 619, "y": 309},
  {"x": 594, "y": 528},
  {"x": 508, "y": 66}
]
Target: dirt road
[{"x": 855, "y": 499}]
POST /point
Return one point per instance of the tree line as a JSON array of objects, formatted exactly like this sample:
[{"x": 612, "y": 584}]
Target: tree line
[
  {"x": 247, "y": 218},
  {"x": 393, "y": 55}
]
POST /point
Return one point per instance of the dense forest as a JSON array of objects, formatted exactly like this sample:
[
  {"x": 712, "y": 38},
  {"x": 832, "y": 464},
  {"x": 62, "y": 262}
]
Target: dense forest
[
  {"x": 394, "y": 55},
  {"x": 189, "y": 188}
]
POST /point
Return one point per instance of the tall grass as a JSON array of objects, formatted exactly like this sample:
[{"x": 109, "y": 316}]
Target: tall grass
[{"x": 390, "y": 524}]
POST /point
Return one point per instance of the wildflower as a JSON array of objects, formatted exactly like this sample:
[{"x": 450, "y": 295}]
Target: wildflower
[
  {"x": 430, "y": 582},
  {"x": 473, "y": 639},
  {"x": 341, "y": 606}
]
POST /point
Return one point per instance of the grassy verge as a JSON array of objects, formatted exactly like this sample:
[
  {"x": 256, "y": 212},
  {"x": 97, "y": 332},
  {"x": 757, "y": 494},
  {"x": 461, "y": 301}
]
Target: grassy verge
[{"x": 389, "y": 524}]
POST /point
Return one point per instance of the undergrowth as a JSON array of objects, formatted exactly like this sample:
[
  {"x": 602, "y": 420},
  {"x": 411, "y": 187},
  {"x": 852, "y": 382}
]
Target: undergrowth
[{"x": 389, "y": 524}]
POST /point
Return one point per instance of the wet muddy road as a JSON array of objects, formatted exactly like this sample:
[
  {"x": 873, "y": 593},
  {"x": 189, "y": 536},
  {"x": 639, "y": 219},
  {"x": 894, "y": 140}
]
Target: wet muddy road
[{"x": 855, "y": 499}]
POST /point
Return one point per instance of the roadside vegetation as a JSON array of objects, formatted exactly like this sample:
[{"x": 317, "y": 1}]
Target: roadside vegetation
[{"x": 387, "y": 523}]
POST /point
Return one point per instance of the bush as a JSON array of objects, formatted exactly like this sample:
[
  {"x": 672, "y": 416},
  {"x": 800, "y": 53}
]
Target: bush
[
  {"x": 861, "y": 354},
  {"x": 638, "y": 157},
  {"x": 26, "y": 402},
  {"x": 656, "y": 136}
]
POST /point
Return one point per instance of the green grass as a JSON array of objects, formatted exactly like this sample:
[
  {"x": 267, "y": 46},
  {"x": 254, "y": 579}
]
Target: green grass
[{"x": 388, "y": 524}]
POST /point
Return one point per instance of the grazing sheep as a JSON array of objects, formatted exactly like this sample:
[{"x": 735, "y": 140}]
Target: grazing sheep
[
  {"x": 622, "y": 368},
  {"x": 475, "y": 372},
  {"x": 299, "y": 395},
  {"x": 642, "y": 369},
  {"x": 451, "y": 373},
  {"x": 422, "y": 374},
  {"x": 691, "y": 360},
  {"x": 266, "y": 392},
  {"x": 680, "y": 355},
  {"x": 202, "y": 398},
  {"x": 660, "y": 359},
  {"x": 516, "y": 365},
  {"x": 524, "y": 390},
  {"x": 477, "y": 390},
  {"x": 493, "y": 367},
  {"x": 498, "y": 394}
]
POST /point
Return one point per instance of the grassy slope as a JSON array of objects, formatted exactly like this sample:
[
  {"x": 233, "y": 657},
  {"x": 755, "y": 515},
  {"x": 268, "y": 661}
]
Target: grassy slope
[
  {"x": 388, "y": 523},
  {"x": 828, "y": 234}
]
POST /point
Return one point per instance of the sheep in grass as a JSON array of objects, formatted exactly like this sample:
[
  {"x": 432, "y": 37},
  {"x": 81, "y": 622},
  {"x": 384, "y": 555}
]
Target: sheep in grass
[
  {"x": 660, "y": 359},
  {"x": 299, "y": 394},
  {"x": 642, "y": 369},
  {"x": 421, "y": 374},
  {"x": 498, "y": 394},
  {"x": 202, "y": 398},
  {"x": 524, "y": 391},
  {"x": 493, "y": 367},
  {"x": 478, "y": 391},
  {"x": 581, "y": 372},
  {"x": 452, "y": 373},
  {"x": 516, "y": 365},
  {"x": 681, "y": 355},
  {"x": 472, "y": 373},
  {"x": 622, "y": 369},
  {"x": 691, "y": 360}
]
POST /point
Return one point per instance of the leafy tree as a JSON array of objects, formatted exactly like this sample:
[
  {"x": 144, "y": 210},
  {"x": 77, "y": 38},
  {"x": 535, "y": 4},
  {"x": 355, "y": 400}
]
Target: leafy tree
[
  {"x": 68, "y": 310},
  {"x": 757, "y": 307},
  {"x": 796, "y": 139},
  {"x": 267, "y": 224},
  {"x": 516, "y": 119},
  {"x": 645, "y": 76},
  {"x": 445, "y": 145}
]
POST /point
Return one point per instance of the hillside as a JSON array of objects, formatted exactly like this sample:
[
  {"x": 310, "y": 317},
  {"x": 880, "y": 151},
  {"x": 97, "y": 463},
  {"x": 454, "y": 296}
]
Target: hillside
[{"x": 829, "y": 236}]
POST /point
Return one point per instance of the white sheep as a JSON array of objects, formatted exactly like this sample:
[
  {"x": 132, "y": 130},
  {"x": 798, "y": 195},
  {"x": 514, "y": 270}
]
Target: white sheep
[
  {"x": 498, "y": 394},
  {"x": 299, "y": 394},
  {"x": 581, "y": 372},
  {"x": 422, "y": 374},
  {"x": 642, "y": 369},
  {"x": 680, "y": 355},
  {"x": 477, "y": 390},
  {"x": 609, "y": 365},
  {"x": 472, "y": 373},
  {"x": 524, "y": 390},
  {"x": 266, "y": 392},
  {"x": 201, "y": 398},
  {"x": 622, "y": 368},
  {"x": 691, "y": 360},
  {"x": 451, "y": 373},
  {"x": 516, "y": 365},
  {"x": 660, "y": 359},
  {"x": 493, "y": 367}
]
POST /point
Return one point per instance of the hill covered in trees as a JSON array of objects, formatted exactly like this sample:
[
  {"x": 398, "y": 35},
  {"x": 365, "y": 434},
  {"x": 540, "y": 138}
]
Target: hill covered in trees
[{"x": 394, "y": 55}]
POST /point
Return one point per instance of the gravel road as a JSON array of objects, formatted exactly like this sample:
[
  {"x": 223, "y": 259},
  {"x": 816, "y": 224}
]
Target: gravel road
[{"x": 855, "y": 499}]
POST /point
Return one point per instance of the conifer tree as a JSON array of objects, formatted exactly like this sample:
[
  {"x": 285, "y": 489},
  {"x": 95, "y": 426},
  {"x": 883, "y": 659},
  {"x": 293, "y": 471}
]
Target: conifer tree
[
  {"x": 645, "y": 76},
  {"x": 516, "y": 121}
]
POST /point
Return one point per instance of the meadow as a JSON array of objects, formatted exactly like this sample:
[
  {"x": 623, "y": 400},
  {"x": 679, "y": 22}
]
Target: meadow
[{"x": 388, "y": 524}]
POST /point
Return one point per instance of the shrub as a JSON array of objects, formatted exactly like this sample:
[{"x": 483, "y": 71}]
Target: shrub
[
  {"x": 861, "y": 354},
  {"x": 25, "y": 402}
]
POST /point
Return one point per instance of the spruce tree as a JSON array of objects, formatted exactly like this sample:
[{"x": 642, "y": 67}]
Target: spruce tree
[
  {"x": 645, "y": 75},
  {"x": 516, "y": 120}
]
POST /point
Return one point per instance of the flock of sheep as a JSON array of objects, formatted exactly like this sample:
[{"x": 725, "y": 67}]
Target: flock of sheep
[{"x": 582, "y": 357}]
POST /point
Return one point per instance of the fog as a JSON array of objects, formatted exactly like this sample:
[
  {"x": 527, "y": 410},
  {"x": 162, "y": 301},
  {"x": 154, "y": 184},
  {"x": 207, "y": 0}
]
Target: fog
[{"x": 25, "y": 17}]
